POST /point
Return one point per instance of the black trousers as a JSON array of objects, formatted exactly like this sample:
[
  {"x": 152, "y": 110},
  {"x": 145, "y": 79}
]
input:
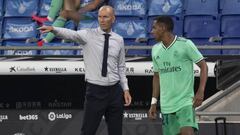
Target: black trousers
[{"x": 102, "y": 101}]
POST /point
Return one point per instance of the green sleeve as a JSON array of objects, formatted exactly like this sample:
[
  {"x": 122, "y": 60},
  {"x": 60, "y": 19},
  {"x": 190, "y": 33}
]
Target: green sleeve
[
  {"x": 193, "y": 53},
  {"x": 155, "y": 67}
]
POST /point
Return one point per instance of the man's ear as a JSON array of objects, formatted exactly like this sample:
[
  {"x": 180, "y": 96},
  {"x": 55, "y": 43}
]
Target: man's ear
[
  {"x": 164, "y": 27},
  {"x": 113, "y": 20}
]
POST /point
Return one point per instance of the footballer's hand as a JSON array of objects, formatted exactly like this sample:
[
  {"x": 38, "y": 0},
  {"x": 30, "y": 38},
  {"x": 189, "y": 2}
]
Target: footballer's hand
[
  {"x": 45, "y": 29},
  {"x": 153, "y": 112},
  {"x": 198, "y": 98}
]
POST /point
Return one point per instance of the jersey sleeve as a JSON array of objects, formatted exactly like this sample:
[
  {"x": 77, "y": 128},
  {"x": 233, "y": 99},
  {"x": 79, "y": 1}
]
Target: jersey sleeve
[
  {"x": 193, "y": 53},
  {"x": 155, "y": 66}
]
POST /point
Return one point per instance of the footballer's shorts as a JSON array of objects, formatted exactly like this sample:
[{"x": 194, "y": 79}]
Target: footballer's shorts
[{"x": 173, "y": 122}]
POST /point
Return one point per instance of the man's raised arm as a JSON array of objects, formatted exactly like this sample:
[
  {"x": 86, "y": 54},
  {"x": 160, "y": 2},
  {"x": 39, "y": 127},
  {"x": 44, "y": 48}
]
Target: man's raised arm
[{"x": 64, "y": 33}]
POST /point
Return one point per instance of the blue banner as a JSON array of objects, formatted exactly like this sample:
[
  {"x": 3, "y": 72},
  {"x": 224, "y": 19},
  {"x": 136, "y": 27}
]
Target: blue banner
[
  {"x": 131, "y": 27},
  {"x": 21, "y": 7},
  {"x": 129, "y": 7},
  {"x": 87, "y": 24},
  {"x": 165, "y": 7},
  {"x": 19, "y": 28},
  {"x": 45, "y": 6}
]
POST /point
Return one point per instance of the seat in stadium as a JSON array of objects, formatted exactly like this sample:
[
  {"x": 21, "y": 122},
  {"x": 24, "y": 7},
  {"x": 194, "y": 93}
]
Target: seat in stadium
[
  {"x": 231, "y": 41},
  {"x": 19, "y": 28},
  {"x": 201, "y": 26},
  {"x": 229, "y": 7},
  {"x": 0, "y": 28},
  {"x": 132, "y": 52},
  {"x": 24, "y": 8},
  {"x": 87, "y": 24},
  {"x": 19, "y": 52},
  {"x": 165, "y": 7},
  {"x": 1, "y": 8},
  {"x": 45, "y": 5},
  {"x": 230, "y": 26},
  {"x": 58, "y": 52},
  {"x": 131, "y": 27},
  {"x": 129, "y": 7},
  {"x": 206, "y": 42},
  {"x": 178, "y": 25},
  {"x": 201, "y": 7}
]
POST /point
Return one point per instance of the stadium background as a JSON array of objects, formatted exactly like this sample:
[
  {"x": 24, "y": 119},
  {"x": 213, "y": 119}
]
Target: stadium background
[{"x": 52, "y": 104}]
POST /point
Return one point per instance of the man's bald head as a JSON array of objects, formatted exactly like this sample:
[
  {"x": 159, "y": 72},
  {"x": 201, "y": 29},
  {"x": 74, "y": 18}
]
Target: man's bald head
[
  {"x": 108, "y": 9},
  {"x": 106, "y": 18}
]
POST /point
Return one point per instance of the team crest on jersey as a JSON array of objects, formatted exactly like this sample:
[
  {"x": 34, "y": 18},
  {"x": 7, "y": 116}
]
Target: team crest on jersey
[{"x": 175, "y": 53}]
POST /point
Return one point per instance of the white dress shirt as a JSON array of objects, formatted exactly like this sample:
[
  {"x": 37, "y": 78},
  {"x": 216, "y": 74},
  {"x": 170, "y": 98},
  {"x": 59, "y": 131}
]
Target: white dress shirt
[{"x": 92, "y": 41}]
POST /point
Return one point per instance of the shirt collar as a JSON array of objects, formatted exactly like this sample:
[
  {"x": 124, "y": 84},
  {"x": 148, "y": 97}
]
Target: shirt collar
[
  {"x": 102, "y": 32},
  {"x": 175, "y": 38}
]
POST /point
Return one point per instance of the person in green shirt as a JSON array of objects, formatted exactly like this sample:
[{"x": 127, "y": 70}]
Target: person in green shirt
[
  {"x": 67, "y": 10},
  {"x": 173, "y": 80}
]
